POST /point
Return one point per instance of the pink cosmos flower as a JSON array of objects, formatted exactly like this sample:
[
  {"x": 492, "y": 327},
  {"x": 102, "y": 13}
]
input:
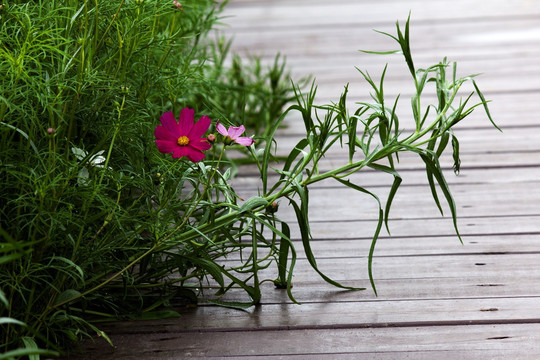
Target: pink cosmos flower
[
  {"x": 183, "y": 138},
  {"x": 233, "y": 134}
]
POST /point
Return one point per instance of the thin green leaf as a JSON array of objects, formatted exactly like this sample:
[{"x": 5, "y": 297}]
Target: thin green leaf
[
  {"x": 66, "y": 296},
  {"x": 285, "y": 235},
  {"x": 443, "y": 142},
  {"x": 30, "y": 344},
  {"x": 306, "y": 238},
  {"x": 3, "y": 298},
  {"x": 485, "y": 104},
  {"x": 299, "y": 148},
  {"x": 435, "y": 169},
  {"x": 283, "y": 256},
  {"x": 377, "y": 230},
  {"x": 231, "y": 304},
  {"x": 7, "y": 320},
  {"x": 212, "y": 268},
  {"x": 14, "y": 354},
  {"x": 382, "y": 52},
  {"x": 433, "y": 189},
  {"x": 255, "y": 267},
  {"x": 250, "y": 290},
  {"x": 253, "y": 203},
  {"x": 393, "y": 189},
  {"x": 455, "y": 154},
  {"x": 25, "y": 135}
]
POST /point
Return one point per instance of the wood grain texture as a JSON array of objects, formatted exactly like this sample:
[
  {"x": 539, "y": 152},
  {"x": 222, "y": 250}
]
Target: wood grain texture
[{"x": 493, "y": 341}]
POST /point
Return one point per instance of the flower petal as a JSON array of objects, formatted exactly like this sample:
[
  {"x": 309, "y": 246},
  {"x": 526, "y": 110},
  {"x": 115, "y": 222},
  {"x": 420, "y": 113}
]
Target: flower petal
[
  {"x": 97, "y": 160},
  {"x": 186, "y": 121},
  {"x": 79, "y": 153},
  {"x": 235, "y": 132},
  {"x": 221, "y": 129},
  {"x": 199, "y": 128},
  {"x": 82, "y": 179},
  {"x": 200, "y": 144},
  {"x": 166, "y": 146},
  {"x": 169, "y": 123},
  {"x": 194, "y": 155},
  {"x": 247, "y": 141},
  {"x": 180, "y": 151},
  {"x": 162, "y": 133}
]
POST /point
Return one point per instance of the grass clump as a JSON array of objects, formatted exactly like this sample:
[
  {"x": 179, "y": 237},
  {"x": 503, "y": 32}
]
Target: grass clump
[{"x": 84, "y": 191}]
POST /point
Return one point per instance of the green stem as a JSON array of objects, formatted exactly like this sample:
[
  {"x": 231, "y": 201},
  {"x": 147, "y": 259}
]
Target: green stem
[{"x": 99, "y": 286}]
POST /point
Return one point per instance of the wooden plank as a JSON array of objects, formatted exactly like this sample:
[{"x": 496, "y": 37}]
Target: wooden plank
[
  {"x": 421, "y": 245},
  {"x": 416, "y": 278},
  {"x": 361, "y": 228},
  {"x": 411, "y": 177},
  {"x": 505, "y": 341},
  {"x": 422, "y": 288},
  {"x": 478, "y": 141},
  {"x": 409, "y": 268},
  {"x": 479, "y": 149},
  {"x": 399, "y": 313},
  {"x": 287, "y": 15},
  {"x": 520, "y": 163},
  {"x": 415, "y": 267},
  {"x": 471, "y": 199}
]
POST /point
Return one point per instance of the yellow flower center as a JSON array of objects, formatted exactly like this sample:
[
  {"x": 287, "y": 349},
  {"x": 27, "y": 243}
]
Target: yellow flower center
[{"x": 183, "y": 140}]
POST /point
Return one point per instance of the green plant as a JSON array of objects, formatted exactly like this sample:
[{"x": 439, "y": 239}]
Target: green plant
[
  {"x": 82, "y": 86},
  {"x": 251, "y": 94}
]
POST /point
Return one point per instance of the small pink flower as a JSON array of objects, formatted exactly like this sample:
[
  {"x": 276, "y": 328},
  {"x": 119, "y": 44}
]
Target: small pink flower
[
  {"x": 211, "y": 138},
  {"x": 183, "y": 138},
  {"x": 177, "y": 5},
  {"x": 233, "y": 134},
  {"x": 51, "y": 131}
]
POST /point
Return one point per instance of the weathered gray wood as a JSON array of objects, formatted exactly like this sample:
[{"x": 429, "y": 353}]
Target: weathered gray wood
[
  {"x": 434, "y": 342},
  {"x": 520, "y": 174},
  {"x": 479, "y": 141},
  {"x": 411, "y": 268},
  {"x": 332, "y": 315},
  {"x": 423, "y": 244},
  {"x": 335, "y": 45},
  {"x": 471, "y": 200},
  {"x": 312, "y": 290},
  {"x": 308, "y": 12},
  {"x": 502, "y": 106}
]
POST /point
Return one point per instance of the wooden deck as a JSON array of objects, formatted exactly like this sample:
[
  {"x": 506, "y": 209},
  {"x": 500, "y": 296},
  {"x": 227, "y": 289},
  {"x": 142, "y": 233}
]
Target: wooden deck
[{"x": 437, "y": 299}]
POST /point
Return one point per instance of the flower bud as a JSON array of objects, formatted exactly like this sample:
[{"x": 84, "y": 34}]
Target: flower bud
[
  {"x": 211, "y": 138},
  {"x": 158, "y": 179},
  {"x": 51, "y": 131},
  {"x": 272, "y": 208}
]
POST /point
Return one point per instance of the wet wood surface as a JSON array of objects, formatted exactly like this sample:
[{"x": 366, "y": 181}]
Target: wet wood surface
[{"x": 437, "y": 298}]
